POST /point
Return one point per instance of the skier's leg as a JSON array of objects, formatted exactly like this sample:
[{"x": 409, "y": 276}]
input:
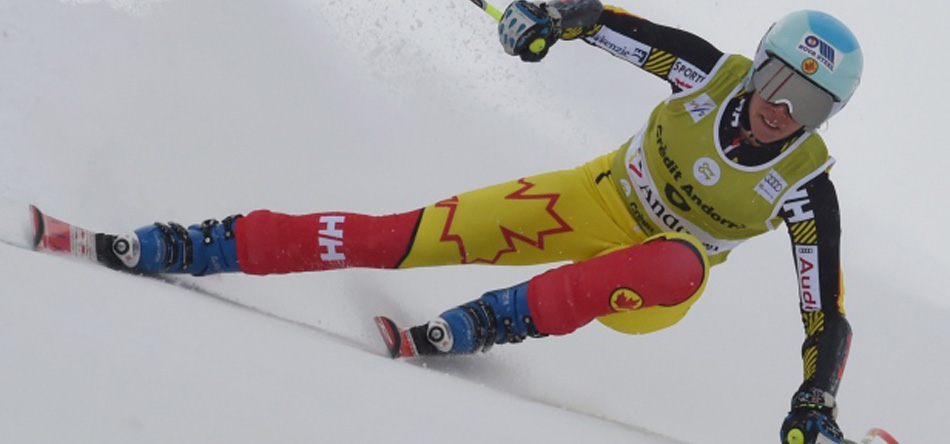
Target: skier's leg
[
  {"x": 563, "y": 215},
  {"x": 657, "y": 281},
  {"x": 264, "y": 242}
]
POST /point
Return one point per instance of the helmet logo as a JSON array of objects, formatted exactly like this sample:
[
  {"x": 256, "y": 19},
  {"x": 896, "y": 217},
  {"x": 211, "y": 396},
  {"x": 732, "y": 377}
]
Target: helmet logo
[
  {"x": 809, "y": 66},
  {"x": 821, "y": 51}
]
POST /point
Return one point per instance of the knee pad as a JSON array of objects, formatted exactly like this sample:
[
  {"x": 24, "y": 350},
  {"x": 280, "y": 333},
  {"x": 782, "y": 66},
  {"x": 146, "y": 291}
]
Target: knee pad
[
  {"x": 667, "y": 270},
  {"x": 691, "y": 260}
]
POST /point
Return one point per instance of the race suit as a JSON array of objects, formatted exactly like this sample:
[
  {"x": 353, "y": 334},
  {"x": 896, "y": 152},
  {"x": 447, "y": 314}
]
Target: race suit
[{"x": 688, "y": 171}]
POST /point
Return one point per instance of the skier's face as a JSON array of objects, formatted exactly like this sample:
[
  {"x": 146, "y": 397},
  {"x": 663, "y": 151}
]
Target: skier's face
[{"x": 770, "y": 122}]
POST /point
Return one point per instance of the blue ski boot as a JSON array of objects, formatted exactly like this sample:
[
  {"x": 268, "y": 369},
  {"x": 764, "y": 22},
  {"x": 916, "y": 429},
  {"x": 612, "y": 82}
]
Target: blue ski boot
[
  {"x": 202, "y": 249},
  {"x": 498, "y": 317}
]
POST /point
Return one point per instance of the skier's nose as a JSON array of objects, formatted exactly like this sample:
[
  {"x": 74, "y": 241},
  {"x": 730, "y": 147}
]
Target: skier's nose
[{"x": 781, "y": 112}]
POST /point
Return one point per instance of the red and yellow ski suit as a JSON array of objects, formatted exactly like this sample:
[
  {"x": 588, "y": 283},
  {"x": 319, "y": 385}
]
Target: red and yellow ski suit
[{"x": 600, "y": 216}]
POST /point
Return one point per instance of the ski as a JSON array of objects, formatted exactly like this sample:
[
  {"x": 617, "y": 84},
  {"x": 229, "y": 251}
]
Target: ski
[
  {"x": 871, "y": 437},
  {"x": 398, "y": 342},
  {"x": 55, "y": 236}
]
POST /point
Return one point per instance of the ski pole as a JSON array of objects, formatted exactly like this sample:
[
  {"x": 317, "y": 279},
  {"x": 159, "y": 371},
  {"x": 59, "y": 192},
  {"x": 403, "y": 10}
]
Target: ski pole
[
  {"x": 487, "y": 7},
  {"x": 536, "y": 46}
]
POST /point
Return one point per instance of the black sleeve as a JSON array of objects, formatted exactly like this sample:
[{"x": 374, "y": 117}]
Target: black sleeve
[
  {"x": 679, "y": 57},
  {"x": 813, "y": 222}
]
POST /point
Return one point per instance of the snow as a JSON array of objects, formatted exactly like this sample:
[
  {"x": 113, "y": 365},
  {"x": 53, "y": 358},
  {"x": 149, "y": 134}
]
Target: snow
[{"x": 118, "y": 113}]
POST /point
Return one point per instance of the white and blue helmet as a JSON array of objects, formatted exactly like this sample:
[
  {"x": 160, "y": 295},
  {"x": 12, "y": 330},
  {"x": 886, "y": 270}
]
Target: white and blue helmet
[{"x": 818, "y": 48}]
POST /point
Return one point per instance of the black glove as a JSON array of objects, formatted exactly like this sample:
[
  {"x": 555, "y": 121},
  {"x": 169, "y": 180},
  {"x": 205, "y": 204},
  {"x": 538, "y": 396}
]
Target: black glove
[
  {"x": 528, "y": 30},
  {"x": 812, "y": 419}
]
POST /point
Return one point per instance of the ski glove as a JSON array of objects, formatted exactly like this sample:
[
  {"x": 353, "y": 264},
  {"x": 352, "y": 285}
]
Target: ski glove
[
  {"x": 527, "y": 30},
  {"x": 812, "y": 419}
]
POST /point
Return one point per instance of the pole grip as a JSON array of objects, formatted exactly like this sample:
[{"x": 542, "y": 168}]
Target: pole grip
[{"x": 536, "y": 46}]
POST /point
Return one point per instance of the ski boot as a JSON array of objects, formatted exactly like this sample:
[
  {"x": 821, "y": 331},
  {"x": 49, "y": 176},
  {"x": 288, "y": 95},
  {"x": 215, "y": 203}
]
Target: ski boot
[
  {"x": 498, "y": 317},
  {"x": 202, "y": 249}
]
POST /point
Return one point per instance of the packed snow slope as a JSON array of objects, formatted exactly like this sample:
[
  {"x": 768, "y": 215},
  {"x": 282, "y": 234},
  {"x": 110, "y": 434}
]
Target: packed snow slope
[{"x": 115, "y": 114}]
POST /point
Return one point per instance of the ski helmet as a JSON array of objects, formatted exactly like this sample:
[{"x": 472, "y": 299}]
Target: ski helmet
[{"x": 810, "y": 61}]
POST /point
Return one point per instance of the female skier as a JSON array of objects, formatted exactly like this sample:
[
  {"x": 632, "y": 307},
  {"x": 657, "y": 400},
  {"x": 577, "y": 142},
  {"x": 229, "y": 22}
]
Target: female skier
[{"x": 731, "y": 154}]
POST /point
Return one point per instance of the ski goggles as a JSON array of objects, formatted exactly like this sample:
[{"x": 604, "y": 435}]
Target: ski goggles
[{"x": 778, "y": 83}]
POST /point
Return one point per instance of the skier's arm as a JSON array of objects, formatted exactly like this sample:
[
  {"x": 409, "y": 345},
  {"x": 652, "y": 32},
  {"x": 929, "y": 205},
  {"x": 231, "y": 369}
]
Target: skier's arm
[
  {"x": 679, "y": 57},
  {"x": 811, "y": 216}
]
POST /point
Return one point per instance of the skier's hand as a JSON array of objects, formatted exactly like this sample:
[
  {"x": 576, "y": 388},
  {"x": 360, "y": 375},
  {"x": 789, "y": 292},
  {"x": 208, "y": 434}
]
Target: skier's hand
[
  {"x": 808, "y": 426},
  {"x": 527, "y": 30},
  {"x": 812, "y": 419}
]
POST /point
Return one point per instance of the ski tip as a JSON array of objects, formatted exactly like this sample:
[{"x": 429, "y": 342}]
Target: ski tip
[
  {"x": 879, "y": 433},
  {"x": 390, "y": 333},
  {"x": 38, "y": 225}
]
